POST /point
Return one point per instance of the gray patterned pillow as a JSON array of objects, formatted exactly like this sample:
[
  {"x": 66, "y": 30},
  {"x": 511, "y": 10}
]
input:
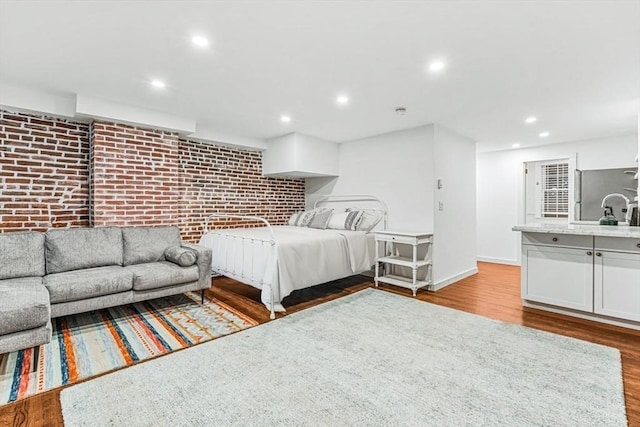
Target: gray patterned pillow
[
  {"x": 352, "y": 220},
  {"x": 305, "y": 218},
  {"x": 321, "y": 219}
]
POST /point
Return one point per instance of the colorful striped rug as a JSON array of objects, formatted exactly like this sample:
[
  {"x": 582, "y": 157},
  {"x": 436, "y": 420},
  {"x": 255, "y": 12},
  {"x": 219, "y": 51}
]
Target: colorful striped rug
[{"x": 92, "y": 343}]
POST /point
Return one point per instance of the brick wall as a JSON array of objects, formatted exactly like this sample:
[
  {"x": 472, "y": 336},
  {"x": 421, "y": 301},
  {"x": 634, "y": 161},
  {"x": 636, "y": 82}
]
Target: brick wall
[
  {"x": 134, "y": 176},
  {"x": 43, "y": 172},
  {"x": 216, "y": 179},
  {"x": 60, "y": 173}
]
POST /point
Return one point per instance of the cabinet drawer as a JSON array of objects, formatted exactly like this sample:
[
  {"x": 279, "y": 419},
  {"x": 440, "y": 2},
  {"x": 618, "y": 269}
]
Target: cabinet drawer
[
  {"x": 411, "y": 240},
  {"x": 618, "y": 244},
  {"x": 564, "y": 240}
]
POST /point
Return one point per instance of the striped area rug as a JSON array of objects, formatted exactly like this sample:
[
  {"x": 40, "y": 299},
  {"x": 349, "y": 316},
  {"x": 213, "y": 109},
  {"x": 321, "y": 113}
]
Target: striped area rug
[{"x": 92, "y": 343}]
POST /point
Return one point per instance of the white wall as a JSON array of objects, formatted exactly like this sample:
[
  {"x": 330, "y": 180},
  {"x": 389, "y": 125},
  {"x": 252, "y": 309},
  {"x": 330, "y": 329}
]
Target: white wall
[
  {"x": 297, "y": 155},
  {"x": 396, "y": 166},
  {"x": 500, "y": 184},
  {"x": 280, "y": 155},
  {"x": 454, "y": 252},
  {"x": 402, "y": 168}
]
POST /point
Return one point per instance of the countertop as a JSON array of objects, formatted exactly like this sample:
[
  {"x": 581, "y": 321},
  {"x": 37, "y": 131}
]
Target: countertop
[{"x": 582, "y": 229}]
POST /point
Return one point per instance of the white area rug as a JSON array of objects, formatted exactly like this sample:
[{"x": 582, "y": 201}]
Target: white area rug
[{"x": 369, "y": 359}]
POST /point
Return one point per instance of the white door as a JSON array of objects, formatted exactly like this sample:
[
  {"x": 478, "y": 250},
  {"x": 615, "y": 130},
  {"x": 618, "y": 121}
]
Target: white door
[
  {"x": 559, "y": 276},
  {"x": 617, "y": 285}
]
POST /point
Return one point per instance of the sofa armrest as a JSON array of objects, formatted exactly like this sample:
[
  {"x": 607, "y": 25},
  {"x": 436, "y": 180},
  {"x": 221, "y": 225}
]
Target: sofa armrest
[{"x": 203, "y": 261}]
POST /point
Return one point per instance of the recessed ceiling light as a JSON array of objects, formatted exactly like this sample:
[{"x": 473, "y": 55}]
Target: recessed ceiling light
[
  {"x": 516, "y": 145},
  {"x": 436, "y": 66},
  {"x": 342, "y": 99},
  {"x": 543, "y": 134},
  {"x": 200, "y": 41},
  {"x": 285, "y": 119},
  {"x": 530, "y": 120},
  {"x": 158, "y": 84}
]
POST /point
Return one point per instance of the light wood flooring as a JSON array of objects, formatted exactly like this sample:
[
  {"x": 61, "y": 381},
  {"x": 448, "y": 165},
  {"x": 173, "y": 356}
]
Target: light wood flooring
[{"x": 494, "y": 292}]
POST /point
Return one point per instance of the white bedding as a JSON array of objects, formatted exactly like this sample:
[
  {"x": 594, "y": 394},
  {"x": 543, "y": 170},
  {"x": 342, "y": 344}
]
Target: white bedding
[{"x": 302, "y": 257}]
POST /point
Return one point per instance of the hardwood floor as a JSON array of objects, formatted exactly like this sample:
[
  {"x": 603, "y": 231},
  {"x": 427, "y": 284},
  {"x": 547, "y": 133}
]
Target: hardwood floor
[{"x": 494, "y": 292}]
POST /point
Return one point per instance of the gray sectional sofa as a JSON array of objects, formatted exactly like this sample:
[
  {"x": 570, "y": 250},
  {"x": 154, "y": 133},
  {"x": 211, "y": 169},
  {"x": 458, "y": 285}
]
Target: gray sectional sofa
[{"x": 73, "y": 270}]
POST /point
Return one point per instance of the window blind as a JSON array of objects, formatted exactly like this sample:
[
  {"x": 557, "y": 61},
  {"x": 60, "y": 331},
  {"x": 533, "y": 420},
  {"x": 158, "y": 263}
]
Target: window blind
[{"x": 555, "y": 190}]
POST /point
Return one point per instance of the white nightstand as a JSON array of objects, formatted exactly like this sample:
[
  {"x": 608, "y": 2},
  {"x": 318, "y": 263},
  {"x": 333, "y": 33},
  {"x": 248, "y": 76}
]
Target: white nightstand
[{"x": 388, "y": 255}]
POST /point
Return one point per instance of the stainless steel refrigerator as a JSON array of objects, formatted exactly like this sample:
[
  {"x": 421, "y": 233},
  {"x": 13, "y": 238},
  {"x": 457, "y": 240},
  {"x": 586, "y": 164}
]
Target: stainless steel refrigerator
[{"x": 591, "y": 186}]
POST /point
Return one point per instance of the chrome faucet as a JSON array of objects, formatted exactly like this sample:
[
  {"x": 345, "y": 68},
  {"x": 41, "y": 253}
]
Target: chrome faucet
[{"x": 626, "y": 203}]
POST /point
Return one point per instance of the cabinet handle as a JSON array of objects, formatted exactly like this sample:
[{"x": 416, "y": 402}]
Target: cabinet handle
[
  {"x": 555, "y": 239},
  {"x": 589, "y": 253},
  {"x": 598, "y": 253},
  {"x": 638, "y": 246}
]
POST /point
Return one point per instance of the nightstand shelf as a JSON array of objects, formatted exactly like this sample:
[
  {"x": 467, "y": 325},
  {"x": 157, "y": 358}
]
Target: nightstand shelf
[
  {"x": 403, "y": 261},
  {"x": 388, "y": 241}
]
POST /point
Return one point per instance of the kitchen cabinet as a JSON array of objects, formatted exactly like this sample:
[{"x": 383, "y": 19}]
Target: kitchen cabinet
[
  {"x": 558, "y": 270},
  {"x": 594, "y": 276},
  {"x": 617, "y": 278}
]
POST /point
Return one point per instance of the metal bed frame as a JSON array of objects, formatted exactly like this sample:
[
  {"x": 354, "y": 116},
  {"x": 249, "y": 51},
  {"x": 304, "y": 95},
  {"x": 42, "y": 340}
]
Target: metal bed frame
[{"x": 268, "y": 245}]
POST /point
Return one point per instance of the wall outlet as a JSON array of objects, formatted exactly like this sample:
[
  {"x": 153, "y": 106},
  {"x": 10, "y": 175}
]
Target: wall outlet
[{"x": 440, "y": 206}]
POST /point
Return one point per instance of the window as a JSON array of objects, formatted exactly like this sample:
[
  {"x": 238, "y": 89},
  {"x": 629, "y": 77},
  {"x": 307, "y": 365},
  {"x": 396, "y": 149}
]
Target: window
[{"x": 554, "y": 190}]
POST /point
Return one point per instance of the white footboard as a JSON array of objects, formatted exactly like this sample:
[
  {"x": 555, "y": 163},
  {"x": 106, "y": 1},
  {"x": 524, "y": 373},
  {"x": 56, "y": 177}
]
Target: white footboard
[{"x": 249, "y": 259}]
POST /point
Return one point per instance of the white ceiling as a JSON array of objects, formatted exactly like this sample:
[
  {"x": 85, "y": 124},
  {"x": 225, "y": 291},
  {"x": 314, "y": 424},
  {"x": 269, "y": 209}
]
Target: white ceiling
[{"x": 573, "y": 64}]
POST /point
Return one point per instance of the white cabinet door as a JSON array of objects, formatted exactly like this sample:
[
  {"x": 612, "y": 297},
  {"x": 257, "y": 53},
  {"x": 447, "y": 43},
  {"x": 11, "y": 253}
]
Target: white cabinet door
[
  {"x": 617, "y": 285},
  {"x": 558, "y": 276}
]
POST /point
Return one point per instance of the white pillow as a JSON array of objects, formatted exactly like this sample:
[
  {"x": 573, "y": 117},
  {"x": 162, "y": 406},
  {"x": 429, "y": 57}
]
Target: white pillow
[
  {"x": 338, "y": 220},
  {"x": 294, "y": 218},
  {"x": 345, "y": 220},
  {"x": 368, "y": 221}
]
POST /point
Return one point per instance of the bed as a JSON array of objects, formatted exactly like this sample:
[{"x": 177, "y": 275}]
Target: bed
[{"x": 284, "y": 258}]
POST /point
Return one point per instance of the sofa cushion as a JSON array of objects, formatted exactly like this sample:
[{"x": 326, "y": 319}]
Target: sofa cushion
[
  {"x": 69, "y": 249},
  {"x": 21, "y": 255},
  {"x": 180, "y": 255},
  {"x": 160, "y": 274},
  {"x": 147, "y": 244},
  {"x": 87, "y": 283},
  {"x": 25, "y": 304}
]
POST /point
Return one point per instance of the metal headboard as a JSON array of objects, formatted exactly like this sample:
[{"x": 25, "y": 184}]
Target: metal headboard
[{"x": 382, "y": 206}]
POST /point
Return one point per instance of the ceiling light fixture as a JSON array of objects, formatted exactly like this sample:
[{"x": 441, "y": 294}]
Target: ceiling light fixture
[
  {"x": 158, "y": 84},
  {"x": 436, "y": 66},
  {"x": 530, "y": 120},
  {"x": 543, "y": 134},
  {"x": 516, "y": 145},
  {"x": 285, "y": 119},
  {"x": 200, "y": 41},
  {"x": 342, "y": 99}
]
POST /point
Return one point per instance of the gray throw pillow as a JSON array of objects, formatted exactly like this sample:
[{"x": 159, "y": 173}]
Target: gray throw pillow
[
  {"x": 305, "y": 218},
  {"x": 181, "y": 256},
  {"x": 321, "y": 219}
]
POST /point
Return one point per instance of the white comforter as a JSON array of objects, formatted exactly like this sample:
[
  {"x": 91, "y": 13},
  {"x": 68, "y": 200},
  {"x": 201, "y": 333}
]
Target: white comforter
[{"x": 302, "y": 257}]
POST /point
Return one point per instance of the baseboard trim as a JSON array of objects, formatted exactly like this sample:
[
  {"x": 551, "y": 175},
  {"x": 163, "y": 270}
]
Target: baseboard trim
[
  {"x": 582, "y": 315},
  {"x": 498, "y": 261},
  {"x": 456, "y": 278}
]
